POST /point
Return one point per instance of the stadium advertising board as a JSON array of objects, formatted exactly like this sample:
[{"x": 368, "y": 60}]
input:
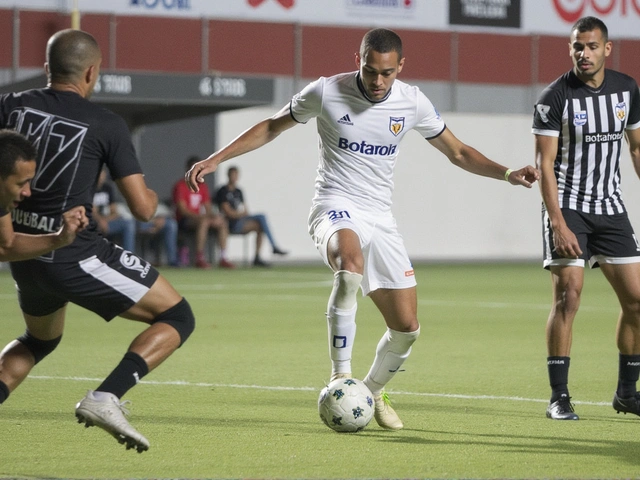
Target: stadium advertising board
[
  {"x": 198, "y": 89},
  {"x": 487, "y": 13},
  {"x": 552, "y": 17}
]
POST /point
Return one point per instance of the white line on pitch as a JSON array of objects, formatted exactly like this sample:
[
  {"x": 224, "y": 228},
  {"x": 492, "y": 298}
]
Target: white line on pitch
[{"x": 314, "y": 389}]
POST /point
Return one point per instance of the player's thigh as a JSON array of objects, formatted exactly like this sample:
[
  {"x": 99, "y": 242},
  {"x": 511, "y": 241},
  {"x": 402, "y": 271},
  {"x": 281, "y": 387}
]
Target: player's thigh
[
  {"x": 387, "y": 263},
  {"x": 567, "y": 282},
  {"x": 344, "y": 251},
  {"x": 578, "y": 223},
  {"x": 160, "y": 297},
  {"x": 47, "y": 327},
  {"x": 339, "y": 231},
  {"x": 399, "y": 307},
  {"x": 107, "y": 283},
  {"x": 625, "y": 280}
]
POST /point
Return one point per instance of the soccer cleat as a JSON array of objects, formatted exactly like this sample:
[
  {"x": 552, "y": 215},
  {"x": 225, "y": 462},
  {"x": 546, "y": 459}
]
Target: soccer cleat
[
  {"x": 278, "y": 251},
  {"x": 562, "y": 409},
  {"x": 627, "y": 405},
  {"x": 109, "y": 414},
  {"x": 336, "y": 376},
  {"x": 384, "y": 414}
]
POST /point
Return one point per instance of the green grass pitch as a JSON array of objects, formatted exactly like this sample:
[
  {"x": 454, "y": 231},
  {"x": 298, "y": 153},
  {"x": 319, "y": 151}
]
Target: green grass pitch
[{"x": 238, "y": 400}]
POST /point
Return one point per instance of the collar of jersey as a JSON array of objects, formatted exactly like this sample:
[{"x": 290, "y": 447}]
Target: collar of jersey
[
  {"x": 364, "y": 92},
  {"x": 589, "y": 87}
]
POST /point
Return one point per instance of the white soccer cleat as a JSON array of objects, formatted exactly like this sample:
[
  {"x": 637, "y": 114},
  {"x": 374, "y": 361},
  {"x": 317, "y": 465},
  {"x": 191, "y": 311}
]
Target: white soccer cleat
[
  {"x": 109, "y": 414},
  {"x": 384, "y": 414},
  {"x": 336, "y": 376}
]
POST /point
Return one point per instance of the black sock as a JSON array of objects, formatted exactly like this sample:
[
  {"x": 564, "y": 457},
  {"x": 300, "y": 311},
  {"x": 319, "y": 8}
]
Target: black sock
[
  {"x": 558, "y": 368},
  {"x": 628, "y": 372},
  {"x": 129, "y": 371},
  {"x": 4, "y": 391}
]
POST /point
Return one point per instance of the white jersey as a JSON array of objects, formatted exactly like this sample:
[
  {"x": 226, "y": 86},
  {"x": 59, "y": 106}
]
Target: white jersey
[{"x": 359, "y": 138}]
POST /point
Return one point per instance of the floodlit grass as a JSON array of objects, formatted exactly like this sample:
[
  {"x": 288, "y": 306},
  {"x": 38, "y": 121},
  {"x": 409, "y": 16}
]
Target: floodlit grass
[{"x": 238, "y": 400}]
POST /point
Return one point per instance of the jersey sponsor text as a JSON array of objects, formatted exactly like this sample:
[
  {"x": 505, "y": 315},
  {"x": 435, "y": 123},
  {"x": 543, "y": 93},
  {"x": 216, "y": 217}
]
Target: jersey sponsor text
[
  {"x": 603, "y": 137},
  {"x": 367, "y": 148},
  {"x": 33, "y": 220}
]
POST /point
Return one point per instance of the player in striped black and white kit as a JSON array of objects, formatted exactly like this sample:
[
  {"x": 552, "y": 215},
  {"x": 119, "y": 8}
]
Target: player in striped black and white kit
[
  {"x": 579, "y": 123},
  {"x": 362, "y": 117}
]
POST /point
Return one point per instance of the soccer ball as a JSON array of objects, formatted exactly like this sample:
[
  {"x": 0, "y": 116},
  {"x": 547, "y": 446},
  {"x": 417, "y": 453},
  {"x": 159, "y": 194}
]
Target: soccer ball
[{"x": 346, "y": 405}]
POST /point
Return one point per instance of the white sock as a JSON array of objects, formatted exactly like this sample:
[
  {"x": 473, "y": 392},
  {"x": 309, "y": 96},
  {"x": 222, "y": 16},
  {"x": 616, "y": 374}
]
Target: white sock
[
  {"x": 393, "y": 349},
  {"x": 342, "y": 333},
  {"x": 341, "y": 319}
]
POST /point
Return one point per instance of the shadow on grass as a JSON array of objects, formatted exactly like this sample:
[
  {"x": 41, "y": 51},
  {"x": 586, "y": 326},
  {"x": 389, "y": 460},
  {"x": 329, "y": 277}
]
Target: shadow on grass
[{"x": 624, "y": 450}]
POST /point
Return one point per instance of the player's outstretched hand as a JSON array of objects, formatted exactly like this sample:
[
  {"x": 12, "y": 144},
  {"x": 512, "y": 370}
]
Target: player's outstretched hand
[
  {"x": 526, "y": 176},
  {"x": 195, "y": 176},
  {"x": 73, "y": 221}
]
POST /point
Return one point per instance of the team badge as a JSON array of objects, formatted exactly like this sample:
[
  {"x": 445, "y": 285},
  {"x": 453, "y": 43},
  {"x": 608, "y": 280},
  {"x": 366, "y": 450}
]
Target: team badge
[
  {"x": 621, "y": 111},
  {"x": 396, "y": 125},
  {"x": 580, "y": 118}
]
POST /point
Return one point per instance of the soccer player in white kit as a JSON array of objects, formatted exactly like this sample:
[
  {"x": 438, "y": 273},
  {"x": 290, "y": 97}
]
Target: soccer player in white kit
[{"x": 361, "y": 119}]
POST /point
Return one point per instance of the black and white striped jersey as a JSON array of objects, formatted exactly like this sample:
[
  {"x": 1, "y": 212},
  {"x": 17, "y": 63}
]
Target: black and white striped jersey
[{"x": 590, "y": 125}]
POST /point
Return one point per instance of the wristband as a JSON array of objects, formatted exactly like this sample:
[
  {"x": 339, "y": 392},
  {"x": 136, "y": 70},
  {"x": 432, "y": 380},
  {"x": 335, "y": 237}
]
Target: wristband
[{"x": 507, "y": 173}]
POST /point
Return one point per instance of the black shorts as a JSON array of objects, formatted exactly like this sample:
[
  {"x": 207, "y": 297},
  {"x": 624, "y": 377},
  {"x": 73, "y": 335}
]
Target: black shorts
[
  {"x": 107, "y": 283},
  {"x": 602, "y": 239}
]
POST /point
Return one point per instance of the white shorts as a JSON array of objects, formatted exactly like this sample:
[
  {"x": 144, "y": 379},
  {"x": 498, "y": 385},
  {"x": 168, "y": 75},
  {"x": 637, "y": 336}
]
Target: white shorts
[{"x": 386, "y": 261}]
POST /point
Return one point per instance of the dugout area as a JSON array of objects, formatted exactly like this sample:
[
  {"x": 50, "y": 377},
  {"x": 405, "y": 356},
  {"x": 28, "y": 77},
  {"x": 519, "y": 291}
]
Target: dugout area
[{"x": 147, "y": 98}]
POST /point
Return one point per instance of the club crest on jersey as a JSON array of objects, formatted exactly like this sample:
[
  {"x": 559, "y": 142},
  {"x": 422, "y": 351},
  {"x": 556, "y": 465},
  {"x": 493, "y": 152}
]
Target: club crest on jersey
[
  {"x": 130, "y": 261},
  {"x": 579, "y": 118},
  {"x": 396, "y": 125},
  {"x": 621, "y": 111}
]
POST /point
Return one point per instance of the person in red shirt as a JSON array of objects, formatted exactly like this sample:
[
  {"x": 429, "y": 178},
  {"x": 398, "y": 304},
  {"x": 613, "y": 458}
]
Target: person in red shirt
[{"x": 194, "y": 213}]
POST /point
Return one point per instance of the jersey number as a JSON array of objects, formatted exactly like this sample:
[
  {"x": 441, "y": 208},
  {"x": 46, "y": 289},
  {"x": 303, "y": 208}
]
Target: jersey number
[{"x": 59, "y": 143}]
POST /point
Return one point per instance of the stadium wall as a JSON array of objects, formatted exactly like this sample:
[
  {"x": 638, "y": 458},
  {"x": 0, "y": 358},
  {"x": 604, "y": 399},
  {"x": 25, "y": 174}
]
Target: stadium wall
[
  {"x": 443, "y": 212},
  {"x": 484, "y": 83}
]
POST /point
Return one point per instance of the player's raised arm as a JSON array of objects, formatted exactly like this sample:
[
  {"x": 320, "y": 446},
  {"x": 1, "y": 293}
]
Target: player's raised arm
[
  {"x": 471, "y": 160},
  {"x": 16, "y": 247},
  {"x": 255, "y": 137}
]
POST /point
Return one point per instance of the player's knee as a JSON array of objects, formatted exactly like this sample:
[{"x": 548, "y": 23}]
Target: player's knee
[
  {"x": 404, "y": 339},
  {"x": 346, "y": 286},
  {"x": 38, "y": 348},
  {"x": 180, "y": 317}
]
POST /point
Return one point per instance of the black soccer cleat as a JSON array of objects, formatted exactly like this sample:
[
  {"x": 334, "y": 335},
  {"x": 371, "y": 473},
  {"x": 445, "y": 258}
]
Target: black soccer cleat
[
  {"x": 562, "y": 409},
  {"x": 627, "y": 405}
]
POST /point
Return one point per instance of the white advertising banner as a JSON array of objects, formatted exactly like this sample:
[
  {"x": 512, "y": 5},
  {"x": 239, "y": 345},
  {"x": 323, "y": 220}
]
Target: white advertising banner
[
  {"x": 551, "y": 17},
  {"x": 555, "y": 17}
]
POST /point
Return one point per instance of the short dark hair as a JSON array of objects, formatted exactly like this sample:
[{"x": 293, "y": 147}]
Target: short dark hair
[
  {"x": 588, "y": 24},
  {"x": 69, "y": 53},
  {"x": 14, "y": 147},
  {"x": 381, "y": 40},
  {"x": 232, "y": 168}
]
